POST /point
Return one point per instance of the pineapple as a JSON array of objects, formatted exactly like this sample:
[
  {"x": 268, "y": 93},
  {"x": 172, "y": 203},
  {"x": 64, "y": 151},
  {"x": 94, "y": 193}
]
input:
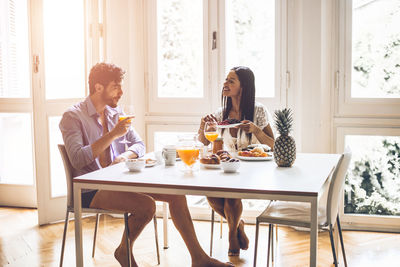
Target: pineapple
[{"x": 285, "y": 146}]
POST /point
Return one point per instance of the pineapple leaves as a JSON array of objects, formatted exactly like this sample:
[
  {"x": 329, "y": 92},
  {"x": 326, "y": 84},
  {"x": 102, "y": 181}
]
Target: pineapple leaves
[{"x": 283, "y": 121}]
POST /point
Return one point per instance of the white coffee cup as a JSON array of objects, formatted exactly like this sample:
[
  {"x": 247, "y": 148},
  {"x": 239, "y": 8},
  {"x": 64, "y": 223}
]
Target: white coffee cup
[
  {"x": 169, "y": 155},
  {"x": 159, "y": 157}
]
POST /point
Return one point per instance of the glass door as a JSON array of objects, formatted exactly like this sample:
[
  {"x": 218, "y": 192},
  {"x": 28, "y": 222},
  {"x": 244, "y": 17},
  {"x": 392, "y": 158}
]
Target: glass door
[
  {"x": 60, "y": 37},
  {"x": 17, "y": 183}
]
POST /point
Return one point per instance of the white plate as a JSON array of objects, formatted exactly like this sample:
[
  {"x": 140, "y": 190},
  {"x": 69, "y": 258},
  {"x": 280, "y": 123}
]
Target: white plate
[
  {"x": 211, "y": 166},
  {"x": 228, "y": 125},
  {"x": 150, "y": 164},
  {"x": 255, "y": 158}
]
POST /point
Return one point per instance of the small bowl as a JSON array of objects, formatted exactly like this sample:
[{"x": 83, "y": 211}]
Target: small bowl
[
  {"x": 135, "y": 165},
  {"x": 230, "y": 167}
]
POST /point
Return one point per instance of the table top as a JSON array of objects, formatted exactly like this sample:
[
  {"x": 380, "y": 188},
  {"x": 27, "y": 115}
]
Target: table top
[{"x": 305, "y": 178}]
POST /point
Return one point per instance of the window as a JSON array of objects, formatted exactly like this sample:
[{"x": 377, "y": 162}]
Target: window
[
  {"x": 180, "y": 48},
  {"x": 16, "y": 157},
  {"x": 375, "y": 49},
  {"x": 373, "y": 183},
  {"x": 369, "y": 49},
  {"x": 250, "y": 41},
  {"x": 14, "y": 50},
  {"x": 64, "y": 43},
  {"x": 368, "y": 97},
  {"x": 192, "y": 45}
]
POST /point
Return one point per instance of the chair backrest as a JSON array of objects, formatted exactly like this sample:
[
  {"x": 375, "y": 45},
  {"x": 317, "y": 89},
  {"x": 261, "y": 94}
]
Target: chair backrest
[
  {"x": 336, "y": 187},
  {"x": 68, "y": 174}
]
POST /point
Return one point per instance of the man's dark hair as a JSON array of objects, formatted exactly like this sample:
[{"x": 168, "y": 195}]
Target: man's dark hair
[{"x": 104, "y": 73}]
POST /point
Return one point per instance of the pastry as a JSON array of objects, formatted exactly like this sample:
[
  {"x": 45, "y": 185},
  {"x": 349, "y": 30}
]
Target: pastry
[{"x": 213, "y": 159}]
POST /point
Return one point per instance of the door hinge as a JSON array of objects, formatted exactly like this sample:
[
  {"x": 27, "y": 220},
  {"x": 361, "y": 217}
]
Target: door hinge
[
  {"x": 36, "y": 63},
  {"x": 214, "y": 40}
]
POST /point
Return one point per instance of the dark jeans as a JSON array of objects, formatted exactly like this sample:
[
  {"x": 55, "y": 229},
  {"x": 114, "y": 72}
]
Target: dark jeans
[{"x": 87, "y": 198}]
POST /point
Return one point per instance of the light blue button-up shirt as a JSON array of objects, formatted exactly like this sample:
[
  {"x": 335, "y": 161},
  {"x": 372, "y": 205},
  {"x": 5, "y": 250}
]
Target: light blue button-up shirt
[{"x": 80, "y": 127}]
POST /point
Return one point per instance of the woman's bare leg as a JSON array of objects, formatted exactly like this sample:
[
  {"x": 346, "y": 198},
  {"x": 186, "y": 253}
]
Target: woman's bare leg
[
  {"x": 232, "y": 208},
  {"x": 142, "y": 208},
  {"x": 233, "y": 211},
  {"x": 217, "y": 204},
  {"x": 183, "y": 222}
]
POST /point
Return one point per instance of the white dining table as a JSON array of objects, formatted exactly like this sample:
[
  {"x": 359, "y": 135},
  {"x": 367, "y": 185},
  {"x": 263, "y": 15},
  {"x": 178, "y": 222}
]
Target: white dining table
[{"x": 303, "y": 182}]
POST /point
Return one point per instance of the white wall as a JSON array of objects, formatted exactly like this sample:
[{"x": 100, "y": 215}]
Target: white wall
[{"x": 310, "y": 63}]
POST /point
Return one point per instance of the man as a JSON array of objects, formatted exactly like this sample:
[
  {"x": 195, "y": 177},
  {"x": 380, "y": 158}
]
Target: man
[{"x": 92, "y": 136}]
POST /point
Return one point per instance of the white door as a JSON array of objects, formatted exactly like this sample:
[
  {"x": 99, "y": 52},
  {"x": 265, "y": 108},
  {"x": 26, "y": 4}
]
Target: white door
[
  {"x": 17, "y": 183},
  {"x": 60, "y": 41}
]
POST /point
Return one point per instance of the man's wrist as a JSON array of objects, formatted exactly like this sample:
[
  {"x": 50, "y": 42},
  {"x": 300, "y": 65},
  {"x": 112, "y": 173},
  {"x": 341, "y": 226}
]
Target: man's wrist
[{"x": 124, "y": 156}]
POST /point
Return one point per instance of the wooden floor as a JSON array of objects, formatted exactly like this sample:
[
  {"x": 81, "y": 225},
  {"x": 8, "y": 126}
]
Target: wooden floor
[{"x": 23, "y": 243}]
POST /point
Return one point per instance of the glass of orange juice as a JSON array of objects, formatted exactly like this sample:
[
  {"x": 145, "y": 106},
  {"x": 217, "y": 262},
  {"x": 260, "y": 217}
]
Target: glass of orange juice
[
  {"x": 123, "y": 117},
  {"x": 210, "y": 132},
  {"x": 188, "y": 150}
]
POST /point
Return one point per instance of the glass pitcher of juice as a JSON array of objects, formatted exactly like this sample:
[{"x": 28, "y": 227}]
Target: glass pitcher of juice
[{"x": 188, "y": 149}]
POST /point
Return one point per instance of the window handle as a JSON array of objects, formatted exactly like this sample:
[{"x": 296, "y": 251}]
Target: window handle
[
  {"x": 214, "y": 41},
  {"x": 36, "y": 63}
]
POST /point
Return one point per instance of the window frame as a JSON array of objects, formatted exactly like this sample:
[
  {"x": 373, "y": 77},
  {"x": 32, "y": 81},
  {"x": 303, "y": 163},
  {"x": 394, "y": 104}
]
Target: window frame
[
  {"x": 361, "y": 221},
  {"x": 214, "y": 63},
  {"x": 159, "y": 105},
  {"x": 346, "y": 105}
]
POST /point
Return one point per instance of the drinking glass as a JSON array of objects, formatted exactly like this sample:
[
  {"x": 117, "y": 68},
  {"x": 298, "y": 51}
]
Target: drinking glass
[
  {"x": 210, "y": 132},
  {"x": 188, "y": 150},
  {"x": 123, "y": 117}
]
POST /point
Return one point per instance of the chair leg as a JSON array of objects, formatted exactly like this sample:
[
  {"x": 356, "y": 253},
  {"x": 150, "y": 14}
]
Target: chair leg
[
  {"x": 95, "y": 234},
  {"x": 156, "y": 234},
  {"x": 63, "y": 240},
  {"x": 270, "y": 226},
  {"x": 256, "y": 244},
  {"x": 333, "y": 245},
  {"x": 276, "y": 244},
  {"x": 212, "y": 231},
  {"x": 220, "y": 230},
  {"x": 341, "y": 240},
  {"x": 127, "y": 238}
]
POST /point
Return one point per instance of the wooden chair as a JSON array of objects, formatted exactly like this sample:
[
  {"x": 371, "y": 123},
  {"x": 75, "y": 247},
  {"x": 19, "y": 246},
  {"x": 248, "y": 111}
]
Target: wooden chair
[
  {"x": 298, "y": 213},
  {"x": 70, "y": 208}
]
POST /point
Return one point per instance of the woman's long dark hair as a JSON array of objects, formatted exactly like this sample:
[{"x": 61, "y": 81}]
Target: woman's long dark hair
[{"x": 247, "y": 100}]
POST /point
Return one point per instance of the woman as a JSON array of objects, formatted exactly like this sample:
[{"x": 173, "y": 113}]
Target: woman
[{"x": 238, "y": 102}]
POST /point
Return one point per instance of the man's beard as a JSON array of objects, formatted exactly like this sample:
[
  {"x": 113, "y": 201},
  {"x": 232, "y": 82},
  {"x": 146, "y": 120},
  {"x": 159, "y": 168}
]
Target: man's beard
[{"x": 110, "y": 100}]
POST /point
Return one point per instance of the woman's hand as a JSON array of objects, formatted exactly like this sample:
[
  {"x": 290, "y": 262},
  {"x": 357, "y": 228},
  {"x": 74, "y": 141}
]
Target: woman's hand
[
  {"x": 207, "y": 118},
  {"x": 248, "y": 126}
]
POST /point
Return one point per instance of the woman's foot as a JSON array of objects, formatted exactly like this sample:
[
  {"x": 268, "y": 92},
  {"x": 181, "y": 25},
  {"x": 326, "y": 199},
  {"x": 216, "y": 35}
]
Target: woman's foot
[
  {"x": 211, "y": 262},
  {"x": 234, "y": 245},
  {"x": 242, "y": 237},
  {"x": 234, "y": 252},
  {"x": 120, "y": 255}
]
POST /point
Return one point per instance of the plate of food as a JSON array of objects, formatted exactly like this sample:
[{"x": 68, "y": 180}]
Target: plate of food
[
  {"x": 150, "y": 162},
  {"x": 229, "y": 123},
  {"x": 256, "y": 154},
  {"x": 266, "y": 148},
  {"x": 211, "y": 162},
  {"x": 210, "y": 166}
]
